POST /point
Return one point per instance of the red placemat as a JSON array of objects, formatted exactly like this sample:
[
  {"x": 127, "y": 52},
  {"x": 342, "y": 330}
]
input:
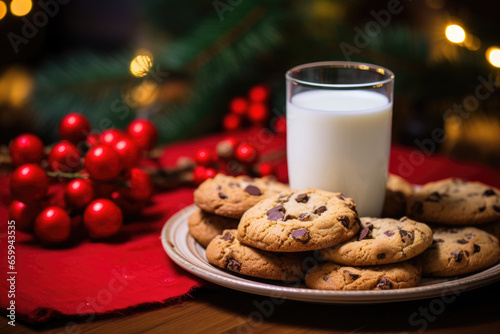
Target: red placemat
[{"x": 94, "y": 278}]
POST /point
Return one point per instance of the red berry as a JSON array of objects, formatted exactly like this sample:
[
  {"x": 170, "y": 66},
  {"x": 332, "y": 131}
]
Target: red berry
[
  {"x": 225, "y": 148},
  {"x": 102, "y": 163},
  {"x": 128, "y": 206},
  {"x": 259, "y": 93},
  {"x": 53, "y": 225},
  {"x": 204, "y": 157},
  {"x": 210, "y": 173},
  {"x": 258, "y": 112},
  {"x": 26, "y": 149},
  {"x": 279, "y": 125},
  {"x": 128, "y": 151},
  {"x": 28, "y": 183},
  {"x": 93, "y": 139},
  {"x": 199, "y": 175},
  {"x": 141, "y": 185},
  {"x": 238, "y": 105},
  {"x": 266, "y": 169},
  {"x": 64, "y": 157},
  {"x": 78, "y": 193},
  {"x": 24, "y": 215},
  {"x": 144, "y": 133},
  {"x": 74, "y": 127},
  {"x": 102, "y": 218},
  {"x": 246, "y": 153},
  {"x": 112, "y": 136},
  {"x": 231, "y": 122}
]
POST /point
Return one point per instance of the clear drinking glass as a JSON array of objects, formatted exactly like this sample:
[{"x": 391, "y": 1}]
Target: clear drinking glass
[{"x": 339, "y": 117}]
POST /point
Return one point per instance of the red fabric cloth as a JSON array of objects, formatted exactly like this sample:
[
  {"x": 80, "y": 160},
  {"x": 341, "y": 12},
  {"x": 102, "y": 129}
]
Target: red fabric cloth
[{"x": 133, "y": 270}]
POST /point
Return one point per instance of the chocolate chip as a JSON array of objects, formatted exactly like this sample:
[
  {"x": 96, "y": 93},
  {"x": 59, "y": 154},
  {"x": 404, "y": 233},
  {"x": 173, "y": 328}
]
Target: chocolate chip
[
  {"x": 303, "y": 216},
  {"x": 341, "y": 197},
  {"x": 276, "y": 213},
  {"x": 477, "y": 248},
  {"x": 470, "y": 235},
  {"x": 389, "y": 233},
  {"x": 222, "y": 195},
  {"x": 381, "y": 256},
  {"x": 434, "y": 197},
  {"x": 481, "y": 209},
  {"x": 227, "y": 236},
  {"x": 496, "y": 208},
  {"x": 384, "y": 284},
  {"x": 325, "y": 278},
  {"x": 452, "y": 230},
  {"x": 353, "y": 276},
  {"x": 462, "y": 241},
  {"x": 403, "y": 219},
  {"x": 275, "y": 216},
  {"x": 437, "y": 240},
  {"x": 289, "y": 217},
  {"x": 344, "y": 220},
  {"x": 320, "y": 210},
  {"x": 253, "y": 190},
  {"x": 489, "y": 192},
  {"x": 365, "y": 233},
  {"x": 301, "y": 234},
  {"x": 234, "y": 185},
  {"x": 233, "y": 265},
  {"x": 418, "y": 208},
  {"x": 457, "y": 256},
  {"x": 302, "y": 198},
  {"x": 406, "y": 234},
  {"x": 219, "y": 188}
]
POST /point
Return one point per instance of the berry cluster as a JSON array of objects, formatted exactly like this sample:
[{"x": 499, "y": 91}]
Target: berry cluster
[
  {"x": 229, "y": 157},
  {"x": 97, "y": 176},
  {"x": 253, "y": 109}
]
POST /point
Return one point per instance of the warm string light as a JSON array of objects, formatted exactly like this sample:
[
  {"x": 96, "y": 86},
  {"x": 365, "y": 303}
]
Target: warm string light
[
  {"x": 20, "y": 7},
  {"x": 3, "y": 9},
  {"x": 493, "y": 56},
  {"x": 455, "y": 33},
  {"x": 141, "y": 64}
]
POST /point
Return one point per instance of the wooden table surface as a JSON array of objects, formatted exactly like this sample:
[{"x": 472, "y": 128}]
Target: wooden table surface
[{"x": 218, "y": 310}]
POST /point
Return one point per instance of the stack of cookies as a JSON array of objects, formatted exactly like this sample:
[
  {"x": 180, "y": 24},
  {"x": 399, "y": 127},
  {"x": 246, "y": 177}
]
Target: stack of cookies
[
  {"x": 260, "y": 228},
  {"x": 465, "y": 219}
]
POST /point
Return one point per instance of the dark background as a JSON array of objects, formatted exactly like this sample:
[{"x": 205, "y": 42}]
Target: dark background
[{"x": 198, "y": 55}]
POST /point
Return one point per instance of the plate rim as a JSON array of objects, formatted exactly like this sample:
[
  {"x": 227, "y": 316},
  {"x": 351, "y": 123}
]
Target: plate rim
[{"x": 453, "y": 286}]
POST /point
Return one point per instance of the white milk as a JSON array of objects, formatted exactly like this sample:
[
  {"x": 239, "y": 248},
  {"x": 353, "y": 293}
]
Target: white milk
[{"x": 340, "y": 141}]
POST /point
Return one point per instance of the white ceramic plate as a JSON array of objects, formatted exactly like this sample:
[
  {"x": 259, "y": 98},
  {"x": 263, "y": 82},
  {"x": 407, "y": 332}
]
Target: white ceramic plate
[{"x": 187, "y": 253}]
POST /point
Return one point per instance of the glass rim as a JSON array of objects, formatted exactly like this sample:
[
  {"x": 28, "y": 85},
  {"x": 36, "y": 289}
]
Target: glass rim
[{"x": 341, "y": 64}]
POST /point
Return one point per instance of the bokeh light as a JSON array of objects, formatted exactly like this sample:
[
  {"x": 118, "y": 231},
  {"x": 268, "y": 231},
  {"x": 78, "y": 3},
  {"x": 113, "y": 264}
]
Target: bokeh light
[
  {"x": 455, "y": 33},
  {"x": 140, "y": 65},
  {"x": 3, "y": 9},
  {"x": 493, "y": 56},
  {"x": 20, "y": 7}
]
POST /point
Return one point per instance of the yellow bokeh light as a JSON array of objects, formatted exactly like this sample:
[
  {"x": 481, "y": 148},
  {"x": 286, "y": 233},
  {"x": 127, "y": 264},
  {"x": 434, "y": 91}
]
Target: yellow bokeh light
[
  {"x": 140, "y": 65},
  {"x": 455, "y": 33},
  {"x": 472, "y": 42},
  {"x": 493, "y": 56},
  {"x": 20, "y": 7},
  {"x": 3, "y": 9}
]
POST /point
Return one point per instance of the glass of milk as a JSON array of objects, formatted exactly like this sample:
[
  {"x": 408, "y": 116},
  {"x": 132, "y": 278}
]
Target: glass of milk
[{"x": 339, "y": 117}]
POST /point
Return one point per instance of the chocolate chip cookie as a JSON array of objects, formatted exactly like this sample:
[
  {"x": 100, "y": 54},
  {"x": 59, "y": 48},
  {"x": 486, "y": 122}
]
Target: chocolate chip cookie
[
  {"x": 231, "y": 196},
  {"x": 299, "y": 220},
  {"x": 332, "y": 276},
  {"x": 382, "y": 241},
  {"x": 226, "y": 252},
  {"x": 460, "y": 250},
  {"x": 455, "y": 202},
  {"x": 204, "y": 226},
  {"x": 396, "y": 195}
]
